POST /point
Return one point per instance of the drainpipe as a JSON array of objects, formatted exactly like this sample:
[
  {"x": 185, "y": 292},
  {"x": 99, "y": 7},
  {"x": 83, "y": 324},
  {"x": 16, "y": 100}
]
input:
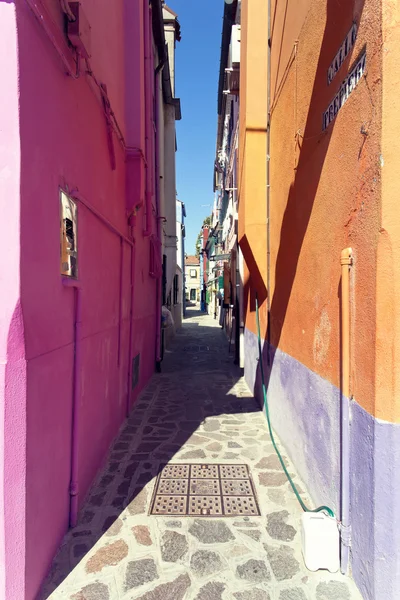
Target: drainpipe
[
  {"x": 120, "y": 308},
  {"x": 268, "y": 176},
  {"x": 346, "y": 260},
  {"x": 130, "y": 371},
  {"x": 148, "y": 106},
  {"x": 158, "y": 184},
  {"x": 73, "y": 489}
]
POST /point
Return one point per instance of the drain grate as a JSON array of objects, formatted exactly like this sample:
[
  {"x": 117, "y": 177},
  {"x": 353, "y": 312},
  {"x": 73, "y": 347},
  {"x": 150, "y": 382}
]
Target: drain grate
[
  {"x": 204, "y": 490},
  {"x": 236, "y": 487},
  {"x": 170, "y": 505},
  {"x": 173, "y": 486},
  {"x": 238, "y": 505},
  {"x": 205, "y": 487}
]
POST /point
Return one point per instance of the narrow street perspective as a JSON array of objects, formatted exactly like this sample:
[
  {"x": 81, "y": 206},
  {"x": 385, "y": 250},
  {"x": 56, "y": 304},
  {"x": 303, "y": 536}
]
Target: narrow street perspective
[
  {"x": 199, "y": 300},
  {"x": 199, "y": 411}
]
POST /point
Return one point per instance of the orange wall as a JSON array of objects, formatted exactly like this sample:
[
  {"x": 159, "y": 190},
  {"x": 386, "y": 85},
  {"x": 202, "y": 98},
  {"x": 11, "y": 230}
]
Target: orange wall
[
  {"x": 388, "y": 281},
  {"x": 252, "y": 176},
  {"x": 328, "y": 189}
]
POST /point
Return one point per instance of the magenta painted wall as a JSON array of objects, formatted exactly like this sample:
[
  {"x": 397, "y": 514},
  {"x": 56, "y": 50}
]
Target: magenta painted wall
[{"x": 60, "y": 132}]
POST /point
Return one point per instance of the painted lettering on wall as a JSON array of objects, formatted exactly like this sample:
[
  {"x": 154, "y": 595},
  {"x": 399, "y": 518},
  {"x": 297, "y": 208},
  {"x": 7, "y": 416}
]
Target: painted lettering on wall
[
  {"x": 342, "y": 53},
  {"x": 344, "y": 92}
]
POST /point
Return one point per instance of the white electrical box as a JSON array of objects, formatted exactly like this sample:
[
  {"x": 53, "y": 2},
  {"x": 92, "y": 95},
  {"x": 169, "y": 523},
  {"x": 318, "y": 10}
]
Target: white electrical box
[
  {"x": 69, "y": 241},
  {"x": 320, "y": 542}
]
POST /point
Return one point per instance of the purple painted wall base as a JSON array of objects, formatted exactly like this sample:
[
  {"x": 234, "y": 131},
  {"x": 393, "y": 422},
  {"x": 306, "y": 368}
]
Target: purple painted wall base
[{"x": 305, "y": 413}]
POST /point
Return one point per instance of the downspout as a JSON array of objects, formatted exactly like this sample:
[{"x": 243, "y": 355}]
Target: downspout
[
  {"x": 268, "y": 177},
  {"x": 120, "y": 308},
  {"x": 346, "y": 260},
  {"x": 73, "y": 488},
  {"x": 130, "y": 370},
  {"x": 148, "y": 106},
  {"x": 158, "y": 183}
]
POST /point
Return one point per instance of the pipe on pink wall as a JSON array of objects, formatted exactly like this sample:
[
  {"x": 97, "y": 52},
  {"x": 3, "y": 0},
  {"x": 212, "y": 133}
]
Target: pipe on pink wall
[
  {"x": 157, "y": 193},
  {"x": 129, "y": 394},
  {"x": 73, "y": 488},
  {"x": 121, "y": 283},
  {"x": 148, "y": 73}
]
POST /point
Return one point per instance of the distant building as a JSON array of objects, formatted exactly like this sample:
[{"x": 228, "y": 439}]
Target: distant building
[
  {"x": 192, "y": 278},
  {"x": 225, "y": 257}
]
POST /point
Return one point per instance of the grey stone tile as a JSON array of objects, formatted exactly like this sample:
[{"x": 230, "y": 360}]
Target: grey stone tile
[
  {"x": 211, "y": 532},
  {"x": 139, "y": 572},
  {"x": 211, "y": 591},
  {"x": 278, "y": 528},
  {"x": 194, "y": 454},
  {"x": 332, "y": 590},
  {"x": 271, "y": 463},
  {"x": 174, "y": 590},
  {"x": 174, "y": 546},
  {"x": 282, "y": 561},
  {"x": 204, "y": 563},
  {"x": 253, "y": 570},
  {"x": 271, "y": 479},
  {"x": 93, "y": 591}
]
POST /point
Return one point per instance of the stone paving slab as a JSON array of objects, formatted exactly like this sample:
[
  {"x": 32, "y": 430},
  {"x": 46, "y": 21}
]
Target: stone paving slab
[{"x": 197, "y": 410}]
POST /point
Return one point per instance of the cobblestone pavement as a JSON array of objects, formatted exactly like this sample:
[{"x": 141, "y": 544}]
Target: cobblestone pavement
[{"x": 197, "y": 410}]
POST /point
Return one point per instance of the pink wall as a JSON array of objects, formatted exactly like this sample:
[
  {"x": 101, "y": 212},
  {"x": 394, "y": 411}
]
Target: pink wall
[{"x": 64, "y": 143}]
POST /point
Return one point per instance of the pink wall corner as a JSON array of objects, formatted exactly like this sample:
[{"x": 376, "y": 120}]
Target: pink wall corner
[{"x": 12, "y": 351}]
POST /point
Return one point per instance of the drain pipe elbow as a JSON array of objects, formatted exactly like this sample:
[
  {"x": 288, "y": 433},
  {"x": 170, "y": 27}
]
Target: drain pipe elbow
[{"x": 346, "y": 261}]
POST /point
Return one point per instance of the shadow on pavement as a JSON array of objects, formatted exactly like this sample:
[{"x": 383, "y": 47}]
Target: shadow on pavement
[{"x": 195, "y": 383}]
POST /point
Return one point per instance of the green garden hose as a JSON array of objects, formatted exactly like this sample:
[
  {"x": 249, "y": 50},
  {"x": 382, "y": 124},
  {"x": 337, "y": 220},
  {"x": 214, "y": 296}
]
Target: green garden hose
[{"x": 303, "y": 506}]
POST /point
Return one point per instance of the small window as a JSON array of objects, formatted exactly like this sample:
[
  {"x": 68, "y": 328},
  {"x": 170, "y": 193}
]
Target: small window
[
  {"x": 193, "y": 273},
  {"x": 176, "y": 289}
]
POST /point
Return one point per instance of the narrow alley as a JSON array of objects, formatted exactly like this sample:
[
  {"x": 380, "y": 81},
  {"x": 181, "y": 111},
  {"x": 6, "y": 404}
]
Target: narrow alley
[{"x": 197, "y": 411}]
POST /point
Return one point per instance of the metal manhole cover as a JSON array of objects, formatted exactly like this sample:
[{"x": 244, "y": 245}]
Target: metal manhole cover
[
  {"x": 234, "y": 472},
  {"x": 170, "y": 505},
  {"x": 173, "y": 486},
  {"x": 205, "y": 506},
  {"x": 205, "y": 487},
  {"x": 205, "y": 471},
  {"x": 238, "y": 505},
  {"x": 204, "y": 490},
  {"x": 236, "y": 487},
  {"x": 175, "y": 471}
]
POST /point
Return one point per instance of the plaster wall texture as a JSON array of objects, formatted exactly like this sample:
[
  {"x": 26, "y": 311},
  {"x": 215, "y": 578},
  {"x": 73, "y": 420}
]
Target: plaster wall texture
[{"x": 56, "y": 136}]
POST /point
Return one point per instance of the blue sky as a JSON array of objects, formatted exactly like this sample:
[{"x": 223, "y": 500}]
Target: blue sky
[{"x": 196, "y": 83}]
